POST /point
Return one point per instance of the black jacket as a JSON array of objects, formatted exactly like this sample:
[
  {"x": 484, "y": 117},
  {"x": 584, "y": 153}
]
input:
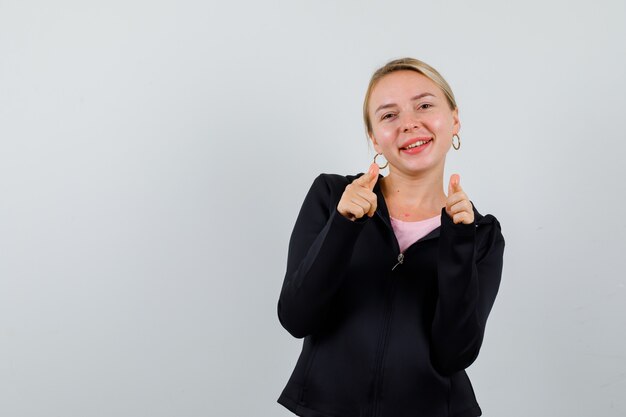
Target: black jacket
[{"x": 385, "y": 334}]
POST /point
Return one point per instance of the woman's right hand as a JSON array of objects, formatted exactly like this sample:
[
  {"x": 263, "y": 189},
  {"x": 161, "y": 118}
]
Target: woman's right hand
[{"x": 358, "y": 198}]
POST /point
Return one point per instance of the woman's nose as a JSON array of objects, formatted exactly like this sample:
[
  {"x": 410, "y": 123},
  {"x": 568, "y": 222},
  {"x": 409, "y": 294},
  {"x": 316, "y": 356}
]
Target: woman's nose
[{"x": 410, "y": 124}]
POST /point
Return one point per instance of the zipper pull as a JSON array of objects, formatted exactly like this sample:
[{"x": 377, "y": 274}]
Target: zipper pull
[{"x": 400, "y": 260}]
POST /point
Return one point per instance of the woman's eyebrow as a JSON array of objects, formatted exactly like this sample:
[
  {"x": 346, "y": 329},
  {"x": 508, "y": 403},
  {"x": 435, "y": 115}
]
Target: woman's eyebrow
[{"x": 417, "y": 97}]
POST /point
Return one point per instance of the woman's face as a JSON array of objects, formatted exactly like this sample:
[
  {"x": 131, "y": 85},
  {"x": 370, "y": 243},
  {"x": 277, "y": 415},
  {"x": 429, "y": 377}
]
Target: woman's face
[{"x": 406, "y": 109}]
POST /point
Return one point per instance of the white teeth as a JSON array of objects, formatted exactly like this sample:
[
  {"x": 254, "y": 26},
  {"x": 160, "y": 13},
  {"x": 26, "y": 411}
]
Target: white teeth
[{"x": 418, "y": 143}]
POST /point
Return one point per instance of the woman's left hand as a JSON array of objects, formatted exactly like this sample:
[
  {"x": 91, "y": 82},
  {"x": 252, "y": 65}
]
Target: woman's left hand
[{"x": 458, "y": 206}]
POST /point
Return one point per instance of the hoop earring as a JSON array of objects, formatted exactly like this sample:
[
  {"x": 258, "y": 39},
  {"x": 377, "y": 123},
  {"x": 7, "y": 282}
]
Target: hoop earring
[
  {"x": 456, "y": 147},
  {"x": 380, "y": 167}
]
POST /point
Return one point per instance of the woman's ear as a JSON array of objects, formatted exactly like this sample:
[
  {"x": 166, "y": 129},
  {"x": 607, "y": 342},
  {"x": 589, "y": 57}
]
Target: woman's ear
[
  {"x": 374, "y": 143},
  {"x": 456, "y": 126}
]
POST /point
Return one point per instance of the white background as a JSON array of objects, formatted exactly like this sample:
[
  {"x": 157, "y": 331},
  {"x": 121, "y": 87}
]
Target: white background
[{"x": 154, "y": 156}]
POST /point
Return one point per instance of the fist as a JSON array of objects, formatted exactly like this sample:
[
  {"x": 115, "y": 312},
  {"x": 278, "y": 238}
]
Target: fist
[
  {"x": 458, "y": 206},
  {"x": 359, "y": 199}
]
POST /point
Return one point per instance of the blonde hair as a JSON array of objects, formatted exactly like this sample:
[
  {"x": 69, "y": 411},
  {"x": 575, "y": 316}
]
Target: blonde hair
[{"x": 410, "y": 64}]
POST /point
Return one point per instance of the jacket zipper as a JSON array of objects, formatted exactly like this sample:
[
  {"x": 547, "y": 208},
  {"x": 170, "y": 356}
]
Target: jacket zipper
[
  {"x": 400, "y": 260},
  {"x": 381, "y": 349},
  {"x": 383, "y": 337}
]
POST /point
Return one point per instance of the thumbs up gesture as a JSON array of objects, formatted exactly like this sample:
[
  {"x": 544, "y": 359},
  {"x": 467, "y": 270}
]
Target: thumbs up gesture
[
  {"x": 359, "y": 199},
  {"x": 458, "y": 206}
]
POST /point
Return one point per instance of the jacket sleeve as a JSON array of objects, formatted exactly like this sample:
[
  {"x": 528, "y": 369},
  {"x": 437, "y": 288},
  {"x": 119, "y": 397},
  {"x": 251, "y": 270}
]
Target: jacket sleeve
[
  {"x": 469, "y": 266},
  {"x": 320, "y": 249}
]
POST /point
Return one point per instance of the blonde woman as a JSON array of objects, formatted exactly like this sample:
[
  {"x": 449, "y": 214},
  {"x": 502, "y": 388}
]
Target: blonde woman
[{"x": 390, "y": 279}]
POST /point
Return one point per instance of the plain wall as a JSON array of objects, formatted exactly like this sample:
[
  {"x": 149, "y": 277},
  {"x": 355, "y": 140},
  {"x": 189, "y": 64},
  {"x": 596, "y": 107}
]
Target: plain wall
[{"x": 154, "y": 156}]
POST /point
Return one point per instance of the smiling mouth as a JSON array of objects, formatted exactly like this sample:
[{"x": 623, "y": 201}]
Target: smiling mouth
[{"x": 418, "y": 143}]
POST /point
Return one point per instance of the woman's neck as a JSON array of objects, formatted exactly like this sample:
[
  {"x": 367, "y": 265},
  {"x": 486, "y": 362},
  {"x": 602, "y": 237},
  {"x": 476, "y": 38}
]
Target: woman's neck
[{"x": 413, "y": 198}]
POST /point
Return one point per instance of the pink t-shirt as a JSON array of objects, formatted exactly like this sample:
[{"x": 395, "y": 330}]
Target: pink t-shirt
[{"x": 408, "y": 233}]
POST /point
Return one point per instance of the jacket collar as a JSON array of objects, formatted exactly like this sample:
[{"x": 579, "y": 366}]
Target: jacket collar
[{"x": 383, "y": 212}]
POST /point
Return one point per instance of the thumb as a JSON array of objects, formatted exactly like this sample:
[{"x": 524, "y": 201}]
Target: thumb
[
  {"x": 454, "y": 184},
  {"x": 368, "y": 179},
  {"x": 373, "y": 176}
]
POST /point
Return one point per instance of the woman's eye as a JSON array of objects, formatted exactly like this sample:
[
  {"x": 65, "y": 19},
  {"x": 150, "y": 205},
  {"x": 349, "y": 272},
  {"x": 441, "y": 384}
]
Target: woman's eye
[
  {"x": 386, "y": 116},
  {"x": 426, "y": 106}
]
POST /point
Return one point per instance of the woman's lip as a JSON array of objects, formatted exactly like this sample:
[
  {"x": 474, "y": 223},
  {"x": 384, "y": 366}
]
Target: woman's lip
[
  {"x": 413, "y": 140},
  {"x": 417, "y": 149}
]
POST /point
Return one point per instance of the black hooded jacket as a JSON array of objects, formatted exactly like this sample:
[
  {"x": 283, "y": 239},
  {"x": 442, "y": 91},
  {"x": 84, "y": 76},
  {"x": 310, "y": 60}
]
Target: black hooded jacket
[{"x": 386, "y": 334}]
